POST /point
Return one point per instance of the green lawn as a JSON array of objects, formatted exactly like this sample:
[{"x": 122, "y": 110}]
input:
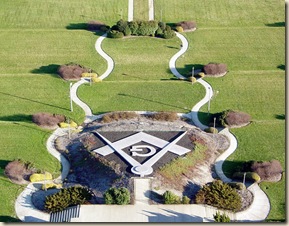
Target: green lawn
[
  {"x": 140, "y": 10},
  {"x": 249, "y": 36}
]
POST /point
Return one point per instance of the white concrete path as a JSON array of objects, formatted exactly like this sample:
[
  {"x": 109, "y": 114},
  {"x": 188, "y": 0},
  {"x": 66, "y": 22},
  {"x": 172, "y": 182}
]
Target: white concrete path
[
  {"x": 130, "y": 10},
  {"x": 151, "y": 10}
]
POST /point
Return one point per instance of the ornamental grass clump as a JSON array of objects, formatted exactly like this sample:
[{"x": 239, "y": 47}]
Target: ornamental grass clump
[{"x": 220, "y": 195}]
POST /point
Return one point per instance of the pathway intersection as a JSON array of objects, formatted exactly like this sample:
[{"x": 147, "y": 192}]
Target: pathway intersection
[{"x": 142, "y": 211}]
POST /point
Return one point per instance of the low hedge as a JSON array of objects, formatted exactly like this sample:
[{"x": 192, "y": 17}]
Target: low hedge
[{"x": 170, "y": 198}]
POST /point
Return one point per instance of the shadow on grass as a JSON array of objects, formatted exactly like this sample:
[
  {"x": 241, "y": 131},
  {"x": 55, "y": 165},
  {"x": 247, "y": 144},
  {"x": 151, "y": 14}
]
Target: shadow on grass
[
  {"x": 8, "y": 219},
  {"x": 3, "y": 164},
  {"x": 84, "y": 27},
  {"x": 17, "y": 118},
  {"x": 276, "y": 24},
  {"x": 33, "y": 101},
  {"x": 230, "y": 167},
  {"x": 280, "y": 116},
  {"x": 49, "y": 69},
  {"x": 152, "y": 101},
  {"x": 282, "y": 67},
  {"x": 188, "y": 69}
]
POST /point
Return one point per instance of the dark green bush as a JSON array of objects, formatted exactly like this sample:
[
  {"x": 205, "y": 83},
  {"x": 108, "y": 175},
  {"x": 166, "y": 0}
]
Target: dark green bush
[
  {"x": 218, "y": 217},
  {"x": 115, "y": 34},
  {"x": 168, "y": 34},
  {"x": 170, "y": 198},
  {"x": 121, "y": 25},
  {"x": 220, "y": 195},
  {"x": 133, "y": 26},
  {"x": 127, "y": 31},
  {"x": 67, "y": 197},
  {"x": 119, "y": 196}
]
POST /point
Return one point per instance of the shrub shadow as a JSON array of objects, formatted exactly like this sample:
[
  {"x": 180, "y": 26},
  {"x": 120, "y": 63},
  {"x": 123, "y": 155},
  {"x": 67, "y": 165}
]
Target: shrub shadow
[
  {"x": 187, "y": 70},
  {"x": 17, "y": 118},
  {"x": 3, "y": 164},
  {"x": 85, "y": 27},
  {"x": 282, "y": 67},
  {"x": 276, "y": 24},
  {"x": 280, "y": 116},
  {"x": 49, "y": 69}
]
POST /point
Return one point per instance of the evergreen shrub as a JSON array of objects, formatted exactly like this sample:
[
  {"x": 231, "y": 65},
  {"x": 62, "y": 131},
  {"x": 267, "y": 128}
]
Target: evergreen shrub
[
  {"x": 119, "y": 196},
  {"x": 220, "y": 195}
]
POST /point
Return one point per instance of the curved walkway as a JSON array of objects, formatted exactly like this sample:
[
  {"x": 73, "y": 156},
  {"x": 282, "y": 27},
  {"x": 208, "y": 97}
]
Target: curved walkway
[
  {"x": 141, "y": 211},
  {"x": 260, "y": 208}
]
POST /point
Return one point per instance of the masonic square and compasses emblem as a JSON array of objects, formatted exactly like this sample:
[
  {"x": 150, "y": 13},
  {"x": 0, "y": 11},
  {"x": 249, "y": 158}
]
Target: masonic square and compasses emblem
[{"x": 147, "y": 149}]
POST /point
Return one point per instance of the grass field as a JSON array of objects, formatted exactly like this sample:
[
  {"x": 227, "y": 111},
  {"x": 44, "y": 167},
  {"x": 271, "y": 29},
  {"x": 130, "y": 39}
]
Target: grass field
[{"x": 249, "y": 36}]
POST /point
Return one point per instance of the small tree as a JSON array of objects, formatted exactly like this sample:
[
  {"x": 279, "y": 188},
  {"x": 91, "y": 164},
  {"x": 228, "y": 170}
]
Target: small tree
[
  {"x": 221, "y": 217},
  {"x": 119, "y": 196}
]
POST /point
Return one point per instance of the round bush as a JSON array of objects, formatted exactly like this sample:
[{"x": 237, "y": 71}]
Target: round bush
[
  {"x": 119, "y": 196},
  {"x": 192, "y": 79},
  {"x": 72, "y": 71},
  {"x": 115, "y": 34},
  {"x": 47, "y": 120},
  {"x": 187, "y": 25},
  {"x": 179, "y": 29},
  {"x": 215, "y": 69},
  {"x": 211, "y": 130},
  {"x": 232, "y": 118}
]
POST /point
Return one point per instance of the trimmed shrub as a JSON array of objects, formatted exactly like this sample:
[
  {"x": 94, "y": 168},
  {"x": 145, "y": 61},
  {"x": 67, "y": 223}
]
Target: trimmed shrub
[
  {"x": 170, "y": 198},
  {"x": 47, "y": 120},
  {"x": 186, "y": 25},
  {"x": 72, "y": 71},
  {"x": 179, "y": 29},
  {"x": 114, "y": 34},
  {"x": 192, "y": 79},
  {"x": 218, "y": 217},
  {"x": 232, "y": 118},
  {"x": 215, "y": 69},
  {"x": 50, "y": 186},
  {"x": 251, "y": 176},
  {"x": 119, "y": 196},
  {"x": 127, "y": 31},
  {"x": 40, "y": 177},
  {"x": 67, "y": 197},
  {"x": 121, "y": 25},
  {"x": 220, "y": 195},
  {"x": 168, "y": 34},
  {"x": 133, "y": 26},
  {"x": 211, "y": 130}
]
